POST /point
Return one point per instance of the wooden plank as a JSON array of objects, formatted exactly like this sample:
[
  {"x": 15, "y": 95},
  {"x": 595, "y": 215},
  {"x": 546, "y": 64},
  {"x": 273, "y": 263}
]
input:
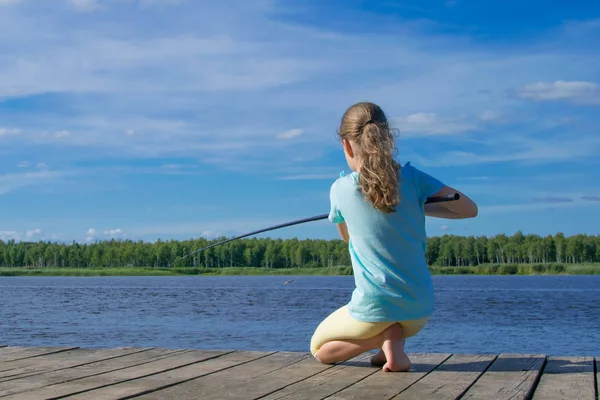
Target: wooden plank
[
  {"x": 219, "y": 384},
  {"x": 511, "y": 376},
  {"x": 20, "y": 353},
  {"x": 9, "y": 349},
  {"x": 167, "y": 379},
  {"x": 14, "y": 349},
  {"x": 567, "y": 378},
  {"x": 60, "y": 358},
  {"x": 328, "y": 382},
  {"x": 273, "y": 381},
  {"x": 385, "y": 385},
  {"x": 597, "y": 377},
  {"x": 57, "y": 361},
  {"x": 88, "y": 383},
  {"x": 38, "y": 381},
  {"x": 450, "y": 380}
]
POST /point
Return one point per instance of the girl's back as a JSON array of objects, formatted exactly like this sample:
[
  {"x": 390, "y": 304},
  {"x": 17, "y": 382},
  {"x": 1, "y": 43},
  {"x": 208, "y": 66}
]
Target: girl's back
[{"x": 387, "y": 249}]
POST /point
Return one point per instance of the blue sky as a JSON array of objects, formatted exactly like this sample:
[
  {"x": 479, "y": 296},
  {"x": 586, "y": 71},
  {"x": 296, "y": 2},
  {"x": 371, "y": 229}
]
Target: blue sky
[{"x": 148, "y": 119}]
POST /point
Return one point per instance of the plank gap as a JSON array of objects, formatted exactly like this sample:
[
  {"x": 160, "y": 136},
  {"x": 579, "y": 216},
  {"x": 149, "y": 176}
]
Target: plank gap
[
  {"x": 536, "y": 381},
  {"x": 478, "y": 378},
  {"x": 48, "y": 382},
  {"x": 375, "y": 370},
  {"x": 7, "y": 378},
  {"x": 297, "y": 381},
  {"x": 169, "y": 385},
  {"x": 387, "y": 385},
  {"x": 319, "y": 385},
  {"x": 138, "y": 377},
  {"x": 41, "y": 354},
  {"x": 255, "y": 375},
  {"x": 511, "y": 376},
  {"x": 567, "y": 377},
  {"x": 424, "y": 375},
  {"x": 596, "y": 373}
]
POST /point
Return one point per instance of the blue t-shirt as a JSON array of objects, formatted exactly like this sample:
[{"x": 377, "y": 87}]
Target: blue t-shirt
[{"x": 387, "y": 251}]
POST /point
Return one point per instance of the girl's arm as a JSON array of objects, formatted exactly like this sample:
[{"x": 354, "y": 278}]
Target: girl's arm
[
  {"x": 457, "y": 209},
  {"x": 343, "y": 228}
]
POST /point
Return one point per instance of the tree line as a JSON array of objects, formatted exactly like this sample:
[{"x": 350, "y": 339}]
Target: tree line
[{"x": 447, "y": 250}]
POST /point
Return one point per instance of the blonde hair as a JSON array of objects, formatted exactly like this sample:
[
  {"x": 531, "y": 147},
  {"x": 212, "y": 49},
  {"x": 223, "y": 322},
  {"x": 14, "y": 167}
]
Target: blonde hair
[{"x": 366, "y": 125}]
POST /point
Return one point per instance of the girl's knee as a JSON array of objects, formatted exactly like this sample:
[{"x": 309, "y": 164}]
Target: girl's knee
[{"x": 323, "y": 359}]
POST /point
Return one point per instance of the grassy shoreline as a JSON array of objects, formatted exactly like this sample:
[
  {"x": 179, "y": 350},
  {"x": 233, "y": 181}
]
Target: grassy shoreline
[{"x": 486, "y": 269}]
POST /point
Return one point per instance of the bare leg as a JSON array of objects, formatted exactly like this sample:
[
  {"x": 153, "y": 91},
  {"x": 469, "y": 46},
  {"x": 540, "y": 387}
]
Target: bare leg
[
  {"x": 343, "y": 350},
  {"x": 391, "y": 357},
  {"x": 396, "y": 359},
  {"x": 378, "y": 359}
]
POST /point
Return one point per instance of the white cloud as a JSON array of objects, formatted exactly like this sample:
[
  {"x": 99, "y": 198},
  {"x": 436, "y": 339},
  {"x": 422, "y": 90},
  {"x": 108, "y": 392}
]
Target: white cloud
[
  {"x": 20, "y": 236},
  {"x": 90, "y": 234},
  {"x": 10, "y": 2},
  {"x": 211, "y": 235},
  {"x": 192, "y": 88},
  {"x": 431, "y": 124},
  {"x": 225, "y": 227},
  {"x": 12, "y": 182},
  {"x": 85, "y": 5},
  {"x": 34, "y": 232},
  {"x": 150, "y": 3},
  {"x": 42, "y": 166},
  {"x": 489, "y": 115},
  {"x": 10, "y": 235},
  {"x": 310, "y": 177},
  {"x": 292, "y": 133},
  {"x": 577, "y": 91},
  {"x": 23, "y": 164},
  {"x": 113, "y": 232},
  {"x": 9, "y": 132},
  {"x": 61, "y": 134},
  {"x": 512, "y": 147}
]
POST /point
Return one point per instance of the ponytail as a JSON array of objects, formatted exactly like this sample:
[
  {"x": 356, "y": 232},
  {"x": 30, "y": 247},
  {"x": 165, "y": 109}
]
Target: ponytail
[{"x": 379, "y": 177}]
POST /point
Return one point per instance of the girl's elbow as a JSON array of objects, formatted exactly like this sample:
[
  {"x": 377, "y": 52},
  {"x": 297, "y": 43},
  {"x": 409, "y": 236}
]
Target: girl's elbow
[
  {"x": 471, "y": 212},
  {"x": 468, "y": 208}
]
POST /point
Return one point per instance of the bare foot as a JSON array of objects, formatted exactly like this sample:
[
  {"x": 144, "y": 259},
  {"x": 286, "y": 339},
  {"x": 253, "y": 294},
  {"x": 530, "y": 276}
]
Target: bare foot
[
  {"x": 393, "y": 349},
  {"x": 378, "y": 360}
]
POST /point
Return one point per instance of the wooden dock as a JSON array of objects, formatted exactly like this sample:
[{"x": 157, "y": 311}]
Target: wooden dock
[{"x": 29, "y": 373}]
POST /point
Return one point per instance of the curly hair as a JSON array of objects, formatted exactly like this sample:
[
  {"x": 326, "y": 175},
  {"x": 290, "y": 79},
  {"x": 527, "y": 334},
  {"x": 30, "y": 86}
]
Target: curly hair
[{"x": 367, "y": 126}]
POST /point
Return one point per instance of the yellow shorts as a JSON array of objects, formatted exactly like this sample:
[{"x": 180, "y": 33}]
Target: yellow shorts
[{"x": 339, "y": 325}]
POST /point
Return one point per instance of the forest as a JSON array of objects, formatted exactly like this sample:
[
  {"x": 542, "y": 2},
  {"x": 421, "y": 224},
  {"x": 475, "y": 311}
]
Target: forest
[{"x": 442, "y": 251}]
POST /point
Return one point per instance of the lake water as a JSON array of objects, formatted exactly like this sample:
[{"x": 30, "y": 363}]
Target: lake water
[{"x": 474, "y": 314}]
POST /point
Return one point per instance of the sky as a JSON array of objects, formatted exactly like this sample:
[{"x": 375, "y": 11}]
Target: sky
[{"x": 178, "y": 119}]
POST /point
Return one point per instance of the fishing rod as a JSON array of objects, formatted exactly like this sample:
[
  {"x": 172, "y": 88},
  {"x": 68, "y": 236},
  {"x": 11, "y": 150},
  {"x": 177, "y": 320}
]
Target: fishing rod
[{"x": 430, "y": 200}]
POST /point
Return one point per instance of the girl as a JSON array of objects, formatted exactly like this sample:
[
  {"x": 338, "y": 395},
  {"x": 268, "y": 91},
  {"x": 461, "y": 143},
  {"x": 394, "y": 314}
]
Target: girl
[{"x": 379, "y": 210}]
